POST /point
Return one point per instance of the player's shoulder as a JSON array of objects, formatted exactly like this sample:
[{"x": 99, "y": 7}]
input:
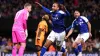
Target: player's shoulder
[
  {"x": 20, "y": 11},
  {"x": 83, "y": 17},
  {"x": 61, "y": 12},
  {"x": 42, "y": 22},
  {"x": 23, "y": 11}
]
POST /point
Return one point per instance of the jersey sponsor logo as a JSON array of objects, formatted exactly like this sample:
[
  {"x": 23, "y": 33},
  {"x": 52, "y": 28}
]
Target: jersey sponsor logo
[
  {"x": 55, "y": 17},
  {"x": 79, "y": 23}
]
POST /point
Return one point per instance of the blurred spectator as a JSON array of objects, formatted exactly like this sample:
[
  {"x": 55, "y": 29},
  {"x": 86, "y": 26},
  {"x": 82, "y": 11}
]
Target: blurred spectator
[
  {"x": 76, "y": 2},
  {"x": 9, "y": 45},
  {"x": 9, "y": 8},
  {"x": 4, "y": 43},
  {"x": 97, "y": 43},
  {"x": 0, "y": 40},
  {"x": 89, "y": 49},
  {"x": 69, "y": 45}
]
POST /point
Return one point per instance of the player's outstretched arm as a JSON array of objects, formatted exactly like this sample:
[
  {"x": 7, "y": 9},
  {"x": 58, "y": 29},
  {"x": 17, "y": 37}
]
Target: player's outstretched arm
[
  {"x": 38, "y": 4},
  {"x": 89, "y": 27},
  {"x": 69, "y": 33},
  {"x": 67, "y": 29},
  {"x": 65, "y": 10},
  {"x": 71, "y": 30},
  {"x": 44, "y": 8},
  {"x": 67, "y": 13}
]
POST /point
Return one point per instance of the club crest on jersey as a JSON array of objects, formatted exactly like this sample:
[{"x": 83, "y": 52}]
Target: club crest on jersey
[
  {"x": 80, "y": 19},
  {"x": 56, "y": 16},
  {"x": 80, "y": 23}
]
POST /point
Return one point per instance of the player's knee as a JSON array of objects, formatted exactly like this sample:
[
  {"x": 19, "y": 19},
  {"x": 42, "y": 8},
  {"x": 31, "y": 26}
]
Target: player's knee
[
  {"x": 38, "y": 48},
  {"x": 63, "y": 50},
  {"x": 74, "y": 45},
  {"x": 23, "y": 45},
  {"x": 48, "y": 43}
]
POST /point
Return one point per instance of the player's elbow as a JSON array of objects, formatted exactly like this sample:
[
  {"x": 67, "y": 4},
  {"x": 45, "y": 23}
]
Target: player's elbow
[
  {"x": 89, "y": 24},
  {"x": 38, "y": 48},
  {"x": 71, "y": 30}
]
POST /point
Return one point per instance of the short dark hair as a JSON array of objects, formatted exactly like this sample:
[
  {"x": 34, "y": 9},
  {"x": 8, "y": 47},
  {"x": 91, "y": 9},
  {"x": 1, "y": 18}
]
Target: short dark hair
[
  {"x": 78, "y": 9},
  {"x": 57, "y": 4},
  {"x": 27, "y": 4},
  {"x": 61, "y": 6}
]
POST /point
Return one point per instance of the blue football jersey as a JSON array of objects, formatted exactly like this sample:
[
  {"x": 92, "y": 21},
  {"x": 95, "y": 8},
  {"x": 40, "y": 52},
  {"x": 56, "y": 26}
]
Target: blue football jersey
[
  {"x": 57, "y": 19},
  {"x": 81, "y": 23}
]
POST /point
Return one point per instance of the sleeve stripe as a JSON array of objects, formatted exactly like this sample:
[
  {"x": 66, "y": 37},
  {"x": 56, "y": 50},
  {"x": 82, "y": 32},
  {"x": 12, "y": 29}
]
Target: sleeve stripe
[
  {"x": 84, "y": 18},
  {"x": 61, "y": 12}
]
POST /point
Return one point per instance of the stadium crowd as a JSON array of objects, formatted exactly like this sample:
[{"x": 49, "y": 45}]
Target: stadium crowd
[
  {"x": 89, "y": 8},
  {"x": 91, "y": 45}
]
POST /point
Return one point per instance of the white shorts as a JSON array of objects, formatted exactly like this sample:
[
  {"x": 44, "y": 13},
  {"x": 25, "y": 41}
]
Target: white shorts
[
  {"x": 84, "y": 36},
  {"x": 58, "y": 37},
  {"x": 64, "y": 44}
]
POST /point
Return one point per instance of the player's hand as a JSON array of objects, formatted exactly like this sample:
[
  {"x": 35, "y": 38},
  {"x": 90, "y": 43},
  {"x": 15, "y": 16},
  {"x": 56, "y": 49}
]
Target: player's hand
[
  {"x": 66, "y": 38},
  {"x": 63, "y": 7},
  {"x": 38, "y": 4},
  {"x": 90, "y": 35}
]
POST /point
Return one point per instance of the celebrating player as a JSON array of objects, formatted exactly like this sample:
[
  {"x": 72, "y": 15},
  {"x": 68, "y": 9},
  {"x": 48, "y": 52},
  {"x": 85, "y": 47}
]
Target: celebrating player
[
  {"x": 40, "y": 33},
  {"x": 84, "y": 28},
  {"x": 58, "y": 28},
  {"x": 19, "y": 30}
]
